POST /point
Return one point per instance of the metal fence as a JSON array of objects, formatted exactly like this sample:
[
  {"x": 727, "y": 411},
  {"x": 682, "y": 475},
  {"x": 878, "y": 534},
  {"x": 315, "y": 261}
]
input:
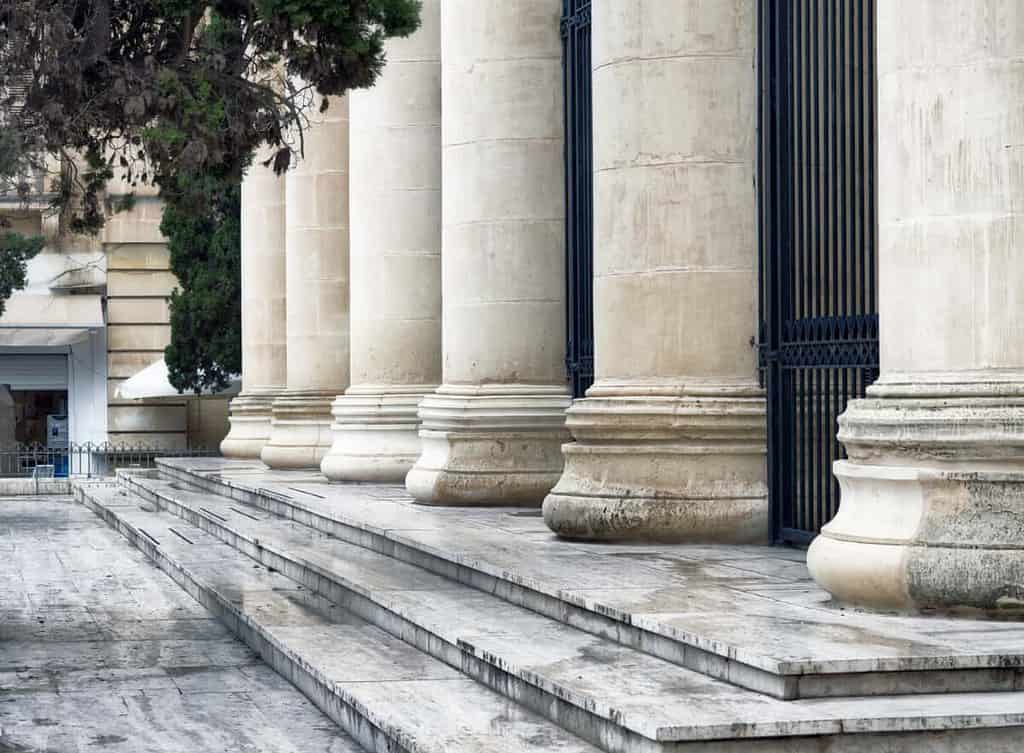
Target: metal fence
[
  {"x": 819, "y": 304},
  {"x": 86, "y": 460},
  {"x": 579, "y": 199}
]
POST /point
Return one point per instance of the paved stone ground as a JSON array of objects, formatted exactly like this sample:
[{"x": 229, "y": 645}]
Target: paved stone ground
[{"x": 100, "y": 651}]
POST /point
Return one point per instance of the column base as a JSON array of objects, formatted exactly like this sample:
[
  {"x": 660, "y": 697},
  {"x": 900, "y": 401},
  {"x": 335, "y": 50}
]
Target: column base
[
  {"x": 300, "y": 432},
  {"x": 376, "y": 433},
  {"x": 489, "y": 445},
  {"x": 250, "y": 415},
  {"x": 664, "y": 462},
  {"x": 932, "y": 497}
]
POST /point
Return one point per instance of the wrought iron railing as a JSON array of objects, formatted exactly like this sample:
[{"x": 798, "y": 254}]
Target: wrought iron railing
[
  {"x": 819, "y": 345},
  {"x": 86, "y": 460}
]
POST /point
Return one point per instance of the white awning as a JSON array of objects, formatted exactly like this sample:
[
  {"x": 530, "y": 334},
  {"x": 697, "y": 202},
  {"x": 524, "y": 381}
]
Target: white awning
[
  {"x": 32, "y": 319},
  {"x": 153, "y": 382}
]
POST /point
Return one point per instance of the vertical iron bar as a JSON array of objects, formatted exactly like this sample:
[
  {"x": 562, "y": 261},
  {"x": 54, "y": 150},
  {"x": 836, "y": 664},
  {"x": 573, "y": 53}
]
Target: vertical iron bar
[
  {"x": 816, "y": 140},
  {"x": 796, "y": 169},
  {"x": 806, "y": 288},
  {"x": 871, "y": 157},
  {"x": 836, "y": 172},
  {"x": 828, "y": 120},
  {"x": 862, "y": 242},
  {"x": 844, "y": 130}
]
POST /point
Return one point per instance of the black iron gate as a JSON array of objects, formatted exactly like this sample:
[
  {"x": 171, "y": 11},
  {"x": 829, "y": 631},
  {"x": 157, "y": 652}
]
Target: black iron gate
[
  {"x": 579, "y": 199},
  {"x": 819, "y": 321}
]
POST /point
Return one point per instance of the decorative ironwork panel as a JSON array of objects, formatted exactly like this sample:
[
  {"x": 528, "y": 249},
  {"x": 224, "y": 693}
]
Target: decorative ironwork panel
[
  {"x": 817, "y": 217},
  {"x": 579, "y": 195}
]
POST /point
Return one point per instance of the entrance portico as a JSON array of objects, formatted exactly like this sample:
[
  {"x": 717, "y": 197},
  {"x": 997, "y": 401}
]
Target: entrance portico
[{"x": 459, "y": 280}]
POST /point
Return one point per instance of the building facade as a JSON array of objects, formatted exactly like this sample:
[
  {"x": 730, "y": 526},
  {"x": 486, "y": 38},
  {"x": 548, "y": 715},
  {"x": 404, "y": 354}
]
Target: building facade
[
  {"x": 94, "y": 314},
  {"x": 673, "y": 271}
]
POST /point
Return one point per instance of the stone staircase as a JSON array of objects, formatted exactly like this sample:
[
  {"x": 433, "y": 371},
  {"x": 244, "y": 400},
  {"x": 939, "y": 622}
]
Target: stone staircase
[{"x": 413, "y": 647}]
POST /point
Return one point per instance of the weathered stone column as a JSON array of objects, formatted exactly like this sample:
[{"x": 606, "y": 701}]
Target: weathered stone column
[
  {"x": 396, "y": 261},
  {"x": 316, "y": 220},
  {"x": 670, "y": 440},
  {"x": 491, "y": 432},
  {"x": 932, "y": 511},
  {"x": 263, "y": 311}
]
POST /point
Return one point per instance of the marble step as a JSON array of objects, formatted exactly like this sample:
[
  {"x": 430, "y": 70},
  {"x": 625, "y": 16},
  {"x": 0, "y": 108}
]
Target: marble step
[
  {"x": 619, "y": 698},
  {"x": 782, "y": 647},
  {"x": 384, "y": 693}
]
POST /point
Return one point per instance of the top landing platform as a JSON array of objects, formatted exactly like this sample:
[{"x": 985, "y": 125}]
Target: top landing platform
[{"x": 745, "y": 614}]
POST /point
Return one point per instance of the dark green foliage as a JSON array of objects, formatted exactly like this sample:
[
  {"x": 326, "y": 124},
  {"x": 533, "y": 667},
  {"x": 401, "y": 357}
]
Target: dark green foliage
[
  {"x": 202, "y": 223},
  {"x": 15, "y": 251},
  {"x": 178, "y": 93},
  {"x": 158, "y": 87}
]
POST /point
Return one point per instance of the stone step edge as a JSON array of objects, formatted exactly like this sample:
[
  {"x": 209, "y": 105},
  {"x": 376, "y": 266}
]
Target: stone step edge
[
  {"x": 701, "y": 654},
  {"x": 348, "y": 714},
  {"x": 616, "y": 740},
  {"x": 721, "y": 662},
  {"x": 541, "y": 695},
  {"x": 355, "y": 718}
]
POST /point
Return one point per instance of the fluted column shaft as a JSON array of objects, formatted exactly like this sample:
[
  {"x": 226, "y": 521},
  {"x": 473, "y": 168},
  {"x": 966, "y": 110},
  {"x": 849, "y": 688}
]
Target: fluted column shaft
[
  {"x": 491, "y": 432},
  {"x": 317, "y": 242},
  {"x": 932, "y": 506},
  {"x": 670, "y": 438},
  {"x": 396, "y": 261},
  {"x": 263, "y": 311}
]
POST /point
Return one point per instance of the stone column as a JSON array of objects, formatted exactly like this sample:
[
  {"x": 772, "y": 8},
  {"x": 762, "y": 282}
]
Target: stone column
[
  {"x": 316, "y": 220},
  {"x": 263, "y": 311},
  {"x": 670, "y": 440},
  {"x": 396, "y": 261},
  {"x": 932, "y": 512},
  {"x": 491, "y": 432}
]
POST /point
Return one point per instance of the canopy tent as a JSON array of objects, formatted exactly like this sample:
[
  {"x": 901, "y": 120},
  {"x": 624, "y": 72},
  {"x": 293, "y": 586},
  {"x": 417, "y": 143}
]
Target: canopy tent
[{"x": 153, "y": 382}]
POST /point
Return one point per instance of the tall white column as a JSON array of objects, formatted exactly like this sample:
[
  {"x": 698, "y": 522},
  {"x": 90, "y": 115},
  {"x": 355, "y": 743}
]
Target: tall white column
[
  {"x": 670, "y": 440},
  {"x": 932, "y": 506},
  {"x": 316, "y": 220},
  {"x": 263, "y": 311},
  {"x": 396, "y": 261},
  {"x": 491, "y": 432}
]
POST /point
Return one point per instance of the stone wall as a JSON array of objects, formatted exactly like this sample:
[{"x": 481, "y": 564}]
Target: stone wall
[{"x": 139, "y": 282}]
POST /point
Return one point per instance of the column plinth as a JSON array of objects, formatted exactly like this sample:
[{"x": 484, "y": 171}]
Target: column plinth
[
  {"x": 301, "y": 432},
  {"x": 376, "y": 433},
  {"x": 250, "y": 417},
  {"x": 663, "y": 461},
  {"x": 489, "y": 444},
  {"x": 932, "y": 513}
]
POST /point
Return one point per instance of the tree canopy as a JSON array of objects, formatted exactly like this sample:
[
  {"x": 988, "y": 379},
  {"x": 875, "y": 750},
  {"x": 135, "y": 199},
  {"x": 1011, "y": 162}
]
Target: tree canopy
[
  {"x": 158, "y": 87},
  {"x": 180, "y": 94},
  {"x": 203, "y": 229},
  {"x": 15, "y": 251}
]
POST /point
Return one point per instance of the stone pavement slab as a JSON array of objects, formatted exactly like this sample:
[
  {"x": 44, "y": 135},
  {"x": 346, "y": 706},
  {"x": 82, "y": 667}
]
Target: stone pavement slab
[
  {"x": 424, "y": 705},
  {"x": 621, "y": 687},
  {"x": 99, "y": 650},
  {"x": 382, "y": 690}
]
